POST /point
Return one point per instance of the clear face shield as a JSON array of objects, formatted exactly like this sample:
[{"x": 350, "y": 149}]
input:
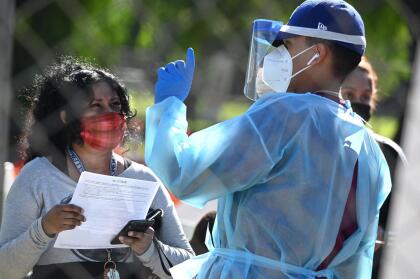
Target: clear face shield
[{"x": 264, "y": 32}]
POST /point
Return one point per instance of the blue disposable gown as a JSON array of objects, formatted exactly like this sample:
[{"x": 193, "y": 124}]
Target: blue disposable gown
[{"x": 281, "y": 173}]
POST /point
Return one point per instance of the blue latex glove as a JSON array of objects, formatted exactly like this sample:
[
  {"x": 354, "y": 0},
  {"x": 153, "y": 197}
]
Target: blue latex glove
[{"x": 175, "y": 78}]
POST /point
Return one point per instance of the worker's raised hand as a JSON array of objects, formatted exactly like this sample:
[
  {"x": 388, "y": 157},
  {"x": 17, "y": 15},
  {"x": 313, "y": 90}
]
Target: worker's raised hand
[{"x": 175, "y": 78}]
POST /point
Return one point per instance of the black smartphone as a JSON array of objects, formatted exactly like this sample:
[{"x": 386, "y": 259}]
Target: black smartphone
[{"x": 135, "y": 226}]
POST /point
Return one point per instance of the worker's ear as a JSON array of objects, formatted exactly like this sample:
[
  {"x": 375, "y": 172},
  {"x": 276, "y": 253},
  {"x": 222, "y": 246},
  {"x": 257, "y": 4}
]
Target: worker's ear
[
  {"x": 63, "y": 116},
  {"x": 321, "y": 53}
]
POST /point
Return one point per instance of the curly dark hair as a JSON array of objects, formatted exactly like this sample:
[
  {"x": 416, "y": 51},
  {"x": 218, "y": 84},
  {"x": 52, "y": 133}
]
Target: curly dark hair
[{"x": 63, "y": 86}]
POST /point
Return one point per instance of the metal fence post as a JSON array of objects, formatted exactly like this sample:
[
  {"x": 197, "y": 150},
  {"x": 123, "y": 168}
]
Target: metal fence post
[{"x": 7, "y": 9}]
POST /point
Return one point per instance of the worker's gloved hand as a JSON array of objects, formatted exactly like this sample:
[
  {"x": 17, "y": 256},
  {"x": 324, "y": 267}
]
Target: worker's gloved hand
[{"x": 175, "y": 78}]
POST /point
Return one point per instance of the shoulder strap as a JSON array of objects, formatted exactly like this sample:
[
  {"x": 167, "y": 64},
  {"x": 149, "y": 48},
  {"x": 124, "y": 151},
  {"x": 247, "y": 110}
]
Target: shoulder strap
[{"x": 160, "y": 253}]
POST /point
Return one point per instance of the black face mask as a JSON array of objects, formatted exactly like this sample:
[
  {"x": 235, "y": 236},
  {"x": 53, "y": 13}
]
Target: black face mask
[{"x": 362, "y": 109}]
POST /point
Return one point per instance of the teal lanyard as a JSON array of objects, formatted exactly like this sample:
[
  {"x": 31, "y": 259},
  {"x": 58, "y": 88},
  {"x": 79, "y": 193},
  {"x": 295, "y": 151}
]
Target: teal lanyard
[{"x": 79, "y": 165}]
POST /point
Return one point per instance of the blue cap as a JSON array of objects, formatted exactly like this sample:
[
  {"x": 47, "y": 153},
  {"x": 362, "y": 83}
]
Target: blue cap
[{"x": 333, "y": 20}]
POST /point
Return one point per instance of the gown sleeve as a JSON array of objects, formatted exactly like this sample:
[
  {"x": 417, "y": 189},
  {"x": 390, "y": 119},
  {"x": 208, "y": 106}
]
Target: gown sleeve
[{"x": 224, "y": 158}]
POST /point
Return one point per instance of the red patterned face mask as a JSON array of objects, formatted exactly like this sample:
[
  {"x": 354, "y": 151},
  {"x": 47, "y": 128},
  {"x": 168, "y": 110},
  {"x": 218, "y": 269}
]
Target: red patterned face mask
[{"x": 103, "y": 132}]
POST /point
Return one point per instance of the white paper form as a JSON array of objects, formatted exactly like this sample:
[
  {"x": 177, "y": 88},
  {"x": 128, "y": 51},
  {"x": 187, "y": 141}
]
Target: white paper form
[{"x": 109, "y": 202}]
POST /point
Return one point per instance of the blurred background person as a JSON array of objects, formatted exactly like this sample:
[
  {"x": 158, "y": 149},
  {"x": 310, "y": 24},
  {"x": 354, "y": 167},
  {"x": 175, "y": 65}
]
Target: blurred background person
[
  {"x": 360, "y": 87},
  {"x": 80, "y": 114}
]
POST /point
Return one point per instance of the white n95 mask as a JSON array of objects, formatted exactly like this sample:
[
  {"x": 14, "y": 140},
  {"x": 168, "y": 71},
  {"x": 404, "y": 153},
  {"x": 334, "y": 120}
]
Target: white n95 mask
[{"x": 278, "y": 68}]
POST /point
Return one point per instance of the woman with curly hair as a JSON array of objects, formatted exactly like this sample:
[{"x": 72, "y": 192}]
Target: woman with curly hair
[{"x": 79, "y": 114}]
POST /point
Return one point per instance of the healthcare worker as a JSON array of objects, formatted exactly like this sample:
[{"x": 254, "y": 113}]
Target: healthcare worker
[{"x": 298, "y": 178}]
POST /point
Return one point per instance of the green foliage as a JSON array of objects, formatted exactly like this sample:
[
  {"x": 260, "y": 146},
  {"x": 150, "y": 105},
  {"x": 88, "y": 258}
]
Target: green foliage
[
  {"x": 41, "y": 21},
  {"x": 198, "y": 124},
  {"x": 102, "y": 28},
  {"x": 140, "y": 101},
  {"x": 388, "y": 43},
  {"x": 231, "y": 109},
  {"x": 157, "y": 31},
  {"x": 385, "y": 126}
]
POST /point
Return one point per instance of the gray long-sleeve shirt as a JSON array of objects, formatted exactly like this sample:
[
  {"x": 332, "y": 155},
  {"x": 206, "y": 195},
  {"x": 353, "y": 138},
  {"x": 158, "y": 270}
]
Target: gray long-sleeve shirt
[{"x": 39, "y": 187}]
